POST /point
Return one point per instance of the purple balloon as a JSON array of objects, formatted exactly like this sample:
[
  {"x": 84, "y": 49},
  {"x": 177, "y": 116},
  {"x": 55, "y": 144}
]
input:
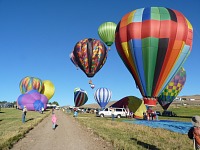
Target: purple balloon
[{"x": 33, "y": 100}]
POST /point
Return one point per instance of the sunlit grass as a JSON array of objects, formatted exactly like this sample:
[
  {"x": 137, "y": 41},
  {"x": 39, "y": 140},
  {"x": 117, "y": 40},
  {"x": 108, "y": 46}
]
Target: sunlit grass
[
  {"x": 128, "y": 136},
  {"x": 12, "y": 128}
]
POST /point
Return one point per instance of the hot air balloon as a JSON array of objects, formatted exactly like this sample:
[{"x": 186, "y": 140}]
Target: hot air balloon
[
  {"x": 90, "y": 55},
  {"x": 102, "y": 96},
  {"x": 72, "y": 58},
  {"x": 33, "y": 100},
  {"x": 48, "y": 89},
  {"x": 80, "y": 97},
  {"x": 106, "y": 32},
  {"x": 172, "y": 89},
  {"x": 92, "y": 86},
  {"x": 153, "y": 43},
  {"x": 134, "y": 104},
  {"x": 30, "y": 83}
]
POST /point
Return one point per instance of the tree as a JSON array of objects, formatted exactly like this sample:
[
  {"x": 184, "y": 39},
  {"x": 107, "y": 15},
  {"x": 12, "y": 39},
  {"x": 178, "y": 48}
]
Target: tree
[{"x": 56, "y": 103}]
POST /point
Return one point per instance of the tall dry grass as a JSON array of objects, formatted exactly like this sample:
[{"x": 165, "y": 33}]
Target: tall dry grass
[{"x": 11, "y": 127}]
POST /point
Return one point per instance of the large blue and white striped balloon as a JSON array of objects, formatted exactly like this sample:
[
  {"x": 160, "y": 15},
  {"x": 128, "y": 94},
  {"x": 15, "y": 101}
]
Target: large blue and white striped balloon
[{"x": 102, "y": 96}]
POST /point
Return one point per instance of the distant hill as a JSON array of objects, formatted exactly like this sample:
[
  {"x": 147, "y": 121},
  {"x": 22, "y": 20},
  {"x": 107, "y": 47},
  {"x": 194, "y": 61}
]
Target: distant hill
[
  {"x": 95, "y": 105},
  {"x": 196, "y": 97}
]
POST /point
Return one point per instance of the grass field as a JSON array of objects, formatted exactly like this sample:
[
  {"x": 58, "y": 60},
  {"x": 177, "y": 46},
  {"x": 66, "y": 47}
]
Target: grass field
[
  {"x": 122, "y": 135},
  {"x": 11, "y": 127},
  {"x": 125, "y": 136}
]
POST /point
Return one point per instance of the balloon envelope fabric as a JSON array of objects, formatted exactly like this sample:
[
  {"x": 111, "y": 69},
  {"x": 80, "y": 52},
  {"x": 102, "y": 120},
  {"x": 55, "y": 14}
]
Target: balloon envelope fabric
[
  {"x": 48, "y": 89},
  {"x": 80, "y": 97},
  {"x": 134, "y": 104},
  {"x": 153, "y": 43},
  {"x": 33, "y": 100},
  {"x": 102, "y": 96},
  {"x": 30, "y": 83},
  {"x": 172, "y": 89},
  {"x": 106, "y": 32},
  {"x": 90, "y": 55}
]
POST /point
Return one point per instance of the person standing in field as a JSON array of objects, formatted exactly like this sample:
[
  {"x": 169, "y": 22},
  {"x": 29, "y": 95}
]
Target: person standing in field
[
  {"x": 54, "y": 120},
  {"x": 24, "y": 111},
  {"x": 194, "y": 132},
  {"x": 52, "y": 111},
  {"x": 112, "y": 113}
]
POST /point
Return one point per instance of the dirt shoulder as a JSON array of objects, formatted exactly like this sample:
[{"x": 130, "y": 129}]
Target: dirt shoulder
[{"x": 68, "y": 135}]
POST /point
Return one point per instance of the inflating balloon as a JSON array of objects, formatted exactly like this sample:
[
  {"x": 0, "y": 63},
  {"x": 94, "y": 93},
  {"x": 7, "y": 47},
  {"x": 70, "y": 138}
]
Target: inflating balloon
[
  {"x": 80, "y": 97},
  {"x": 90, "y": 55},
  {"x": 134, "y": 104},
  {"x": 30, "y": 83},
  {"x": 173, "y": 89},
  {"x": 153, "y": 43},
  {"x": 106, "y": 32},
  {"x": 33, "y": 100},
  {"x": 48, "y": 89},
  {"x": 102, "y": 96}
]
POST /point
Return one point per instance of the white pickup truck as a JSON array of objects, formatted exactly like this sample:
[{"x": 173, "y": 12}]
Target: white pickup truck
[{"x": 107, "y": 112}]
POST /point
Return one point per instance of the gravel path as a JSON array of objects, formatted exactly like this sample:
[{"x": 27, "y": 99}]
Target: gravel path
[{"x": 69, "y": 135}]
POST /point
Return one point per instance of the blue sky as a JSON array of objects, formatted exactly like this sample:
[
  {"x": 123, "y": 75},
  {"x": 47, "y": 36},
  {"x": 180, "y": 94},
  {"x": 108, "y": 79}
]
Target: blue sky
[{"x": 37, "y": 36}]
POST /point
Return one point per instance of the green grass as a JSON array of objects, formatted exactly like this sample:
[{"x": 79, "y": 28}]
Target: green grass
[
  {"x": 11, "y": 127},
  {"x": 126, "y": 136}
]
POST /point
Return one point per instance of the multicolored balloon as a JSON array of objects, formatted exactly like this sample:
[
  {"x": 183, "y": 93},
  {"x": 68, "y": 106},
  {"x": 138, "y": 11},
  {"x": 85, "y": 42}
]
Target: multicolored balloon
[
  {"x": 72, "y": 58},
  {"x": 30, "y": 83},
  {"x": 134, "y": 104},
  {"x": 48, "y": 89},
  {"x": 153, "y": 43},
  {"x": 106, "y": 32},
  {"x": 173, "y": 89},
  {"x": 80, "y": 97},
  {"x": 102, "y": 96},
  {"x": 90, "y": 55},
  {"x": 33, "y": 100}
]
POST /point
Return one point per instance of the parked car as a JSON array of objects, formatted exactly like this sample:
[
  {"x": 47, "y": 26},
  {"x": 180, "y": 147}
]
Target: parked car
[
  {"x": 118, "y": 112},
  {"x": 169, "y": 113}
]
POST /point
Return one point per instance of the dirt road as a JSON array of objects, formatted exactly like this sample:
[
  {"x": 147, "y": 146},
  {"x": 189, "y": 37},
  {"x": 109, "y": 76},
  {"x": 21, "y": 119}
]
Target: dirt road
[{"x": 69, "y": 135}]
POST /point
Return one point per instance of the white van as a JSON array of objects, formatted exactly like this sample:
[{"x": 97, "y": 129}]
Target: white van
[{"x": 107, "y": 112}]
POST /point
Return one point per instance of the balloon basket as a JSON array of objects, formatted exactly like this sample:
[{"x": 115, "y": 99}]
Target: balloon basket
[
  {"x": 90, "y": 81},
  {"x": 150, "y": 102}
]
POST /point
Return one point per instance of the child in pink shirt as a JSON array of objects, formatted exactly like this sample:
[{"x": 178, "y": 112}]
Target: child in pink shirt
[{"x": 53, "y": 119}]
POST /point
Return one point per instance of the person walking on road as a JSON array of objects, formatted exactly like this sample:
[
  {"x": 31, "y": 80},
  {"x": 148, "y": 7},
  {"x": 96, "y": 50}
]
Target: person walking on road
[
  {"x": 24, "y": 111},
  {"x": 54, "y": 120}
]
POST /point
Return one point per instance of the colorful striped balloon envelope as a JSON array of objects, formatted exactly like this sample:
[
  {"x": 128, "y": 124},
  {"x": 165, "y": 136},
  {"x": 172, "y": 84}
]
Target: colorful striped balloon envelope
[
  {"x": 80, "y": 97},
  {"x": 153, "y": 43}
]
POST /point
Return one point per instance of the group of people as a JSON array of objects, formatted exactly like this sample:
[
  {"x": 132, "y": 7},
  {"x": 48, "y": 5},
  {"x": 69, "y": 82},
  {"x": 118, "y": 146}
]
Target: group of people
[
  {"x": 53, "y": 118},
  {"x": 150, "y": 115}
]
